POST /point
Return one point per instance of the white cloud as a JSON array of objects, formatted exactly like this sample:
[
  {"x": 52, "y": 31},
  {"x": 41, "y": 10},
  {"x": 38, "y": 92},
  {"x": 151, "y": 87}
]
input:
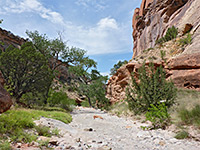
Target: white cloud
[
  {"x": 34, "y": 6},
  {"x": 107, "y": 23},
  {"x": 106, "y": 36}
]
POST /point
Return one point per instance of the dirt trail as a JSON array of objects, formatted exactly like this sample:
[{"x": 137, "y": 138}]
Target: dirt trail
[{"x": 112, "y": 132}]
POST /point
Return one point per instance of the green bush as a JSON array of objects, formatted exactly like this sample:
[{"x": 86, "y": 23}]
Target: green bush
[
  {"x": 60, "y": 99},
  {"x": 190, "y": 117},
  {"x": 158, "y": 115},
  {"x": 170, "y": 34},
  {"x": 43, "y": 130},
  {"x": 151, "y": 87},
  {"x": 182, "y": 135},
  {"x": 5, "y": 145},
  {"x": 185, "y": 41}
]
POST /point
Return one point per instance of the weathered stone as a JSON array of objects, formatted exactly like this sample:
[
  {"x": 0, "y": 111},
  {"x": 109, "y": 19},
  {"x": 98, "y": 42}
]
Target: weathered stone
[
  {"x": 154, "y": 17},
  {"x": 5, "y": 99}
]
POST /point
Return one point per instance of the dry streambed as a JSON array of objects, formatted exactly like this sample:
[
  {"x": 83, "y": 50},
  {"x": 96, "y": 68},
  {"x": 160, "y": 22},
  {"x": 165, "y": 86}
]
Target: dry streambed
[{"x": 111, "y": 132}]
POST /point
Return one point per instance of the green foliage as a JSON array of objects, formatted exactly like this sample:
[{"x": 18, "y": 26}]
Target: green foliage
[
  {"x": 60, "y": 99},
  {"x": 117, "y": 66},
  {"x": 182, "y": 135},
  {"x": 158, "y": 115},
  {"x": 163, "y": 54},
  {"x": 190, "y": 117},
  {"x": 25, "y": 70},
  {"x": 55, "y": 132},
  {"x": 43, "y": 130},
  {"x": 90, "y": 82},
  {"x": 185, "y": 41},
  {"x": 5, "y": 145},
  {"x": 170, "y": 34},
  {"x": 13, "y": 123},
  {"x": 151, "y": 89}
]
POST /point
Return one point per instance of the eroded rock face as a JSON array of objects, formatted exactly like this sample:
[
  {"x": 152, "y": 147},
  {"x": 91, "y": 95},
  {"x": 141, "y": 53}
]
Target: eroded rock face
[
  {"x": 10, "y": 39},
  {"x": 5, "y": 99},
  {"x": 156, "y": 16},
  {"x": 183, "y": 70},
  {"x": 150, "y": 22}
]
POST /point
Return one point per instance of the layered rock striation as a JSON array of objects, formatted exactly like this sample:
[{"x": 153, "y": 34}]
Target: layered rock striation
[
  {"x": 9, "y": 38},
  {"x": 150, "y": 22}
]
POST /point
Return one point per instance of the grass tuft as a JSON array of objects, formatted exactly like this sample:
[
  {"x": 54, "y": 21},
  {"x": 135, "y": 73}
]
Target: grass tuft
[{"x": 182, "y": 135}]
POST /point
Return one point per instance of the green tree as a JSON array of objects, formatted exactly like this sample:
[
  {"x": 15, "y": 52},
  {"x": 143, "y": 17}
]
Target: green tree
[
  {"x": 117, "y": 66},
  {"x": 90, "y": 82},
  {"x": 25, "y": 70},
  {"x": 151, "y": 87}
]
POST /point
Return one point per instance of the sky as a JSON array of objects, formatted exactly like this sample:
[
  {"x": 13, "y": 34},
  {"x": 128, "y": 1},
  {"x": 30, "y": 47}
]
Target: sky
[{"x": 101, "y": 27}]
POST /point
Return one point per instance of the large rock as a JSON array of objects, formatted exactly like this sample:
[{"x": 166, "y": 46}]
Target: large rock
[
  {"x": 5, "y": 99},
  {"x": 154, "y": 17},
  {"x": 185, "y": 71}
]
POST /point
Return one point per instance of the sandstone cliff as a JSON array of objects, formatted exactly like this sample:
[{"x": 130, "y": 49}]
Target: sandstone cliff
[{"x": 150, "y": 22}]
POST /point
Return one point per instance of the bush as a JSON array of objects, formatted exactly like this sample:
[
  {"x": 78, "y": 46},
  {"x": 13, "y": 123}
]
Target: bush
[
  {"x": 5, "y": 145},
  {"x": 151, "y": 89},
  {"x": 191, "y": 117},
  {"x": 43, "y": 130},
  {"x": 60, "y": 99},
  {"x": 170, "y": 34},
  {"x": 185, "y": 41},
  {"x": 182, "y": 135},
  {"x": 158, "y": 115}
]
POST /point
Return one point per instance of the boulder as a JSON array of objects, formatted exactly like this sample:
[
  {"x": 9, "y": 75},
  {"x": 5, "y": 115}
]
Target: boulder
[{"x": 5, "y": 99}]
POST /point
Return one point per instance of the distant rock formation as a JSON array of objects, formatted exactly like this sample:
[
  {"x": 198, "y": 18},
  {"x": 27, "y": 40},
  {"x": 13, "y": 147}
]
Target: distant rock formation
[
  {"x": 150, "y": 22},
  {"x": 9, "y": 38}
]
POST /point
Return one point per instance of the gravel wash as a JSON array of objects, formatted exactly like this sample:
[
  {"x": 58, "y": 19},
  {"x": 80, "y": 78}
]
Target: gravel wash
[{"x": 96, "y": 130}]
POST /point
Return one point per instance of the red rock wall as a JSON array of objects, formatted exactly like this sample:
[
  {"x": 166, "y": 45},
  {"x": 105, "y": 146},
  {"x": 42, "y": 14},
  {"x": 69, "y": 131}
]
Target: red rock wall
[
  {"x": 10, "y": 39},
  {"x": 150, "y": 23},
  {"x": 155, "y": 16}
]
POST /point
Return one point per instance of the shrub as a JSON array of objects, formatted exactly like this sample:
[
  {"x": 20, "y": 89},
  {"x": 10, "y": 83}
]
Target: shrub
[
  {"x": 185, "y": 41},
  {"x": 60, "y": 99},
  {"x": 158, "y": 115},
  {"x": 43, "y": 130},
  {"x": 182, "y": 135},
  {"x": 170, "y": 34},
  {"x": 151, "y": 89},
  {"x": 5, "y": 145}
]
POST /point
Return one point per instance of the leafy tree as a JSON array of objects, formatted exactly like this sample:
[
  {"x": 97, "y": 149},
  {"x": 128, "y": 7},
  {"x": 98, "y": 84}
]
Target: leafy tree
[
  {"x": 54, "y": 51},
  {"x": 25, "y": 70},
  {"x": 90, "y": 82},
  {"x": 117, "y": 66},
  {"x": 150, "y": 88}
]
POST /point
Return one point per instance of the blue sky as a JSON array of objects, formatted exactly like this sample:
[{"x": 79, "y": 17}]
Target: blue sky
[{"x": 101, "y": 27}]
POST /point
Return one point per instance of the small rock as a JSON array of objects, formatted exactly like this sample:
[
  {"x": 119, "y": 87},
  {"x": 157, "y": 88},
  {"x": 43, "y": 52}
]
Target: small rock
[
  {"x": 162, "y": 143},
  {"x": 90, "y": 129},
  {"x": 53, "y": 142},
  {"x": 19, "y": 145}
]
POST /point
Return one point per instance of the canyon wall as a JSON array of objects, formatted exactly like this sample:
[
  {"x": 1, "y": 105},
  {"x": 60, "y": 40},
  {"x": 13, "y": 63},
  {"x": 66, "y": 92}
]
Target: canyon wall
[{"x": 150, "y": 22}]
